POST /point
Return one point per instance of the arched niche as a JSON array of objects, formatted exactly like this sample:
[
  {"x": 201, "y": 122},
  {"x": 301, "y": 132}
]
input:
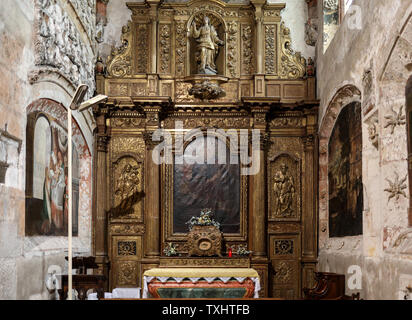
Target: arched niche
[
  {"x": 46, "y": 171},
  {"x": 344, "y": 96},
  {"x": 220, "y": 26},
  {"x": 345, "y": 186}
]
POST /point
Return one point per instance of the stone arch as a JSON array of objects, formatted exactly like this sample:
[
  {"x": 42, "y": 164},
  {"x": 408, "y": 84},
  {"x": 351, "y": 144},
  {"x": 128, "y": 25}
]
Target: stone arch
[{"x": 343, "y": 97}]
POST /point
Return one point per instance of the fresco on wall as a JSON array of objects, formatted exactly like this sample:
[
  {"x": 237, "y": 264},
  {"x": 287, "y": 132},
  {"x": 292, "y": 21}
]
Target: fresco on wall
[
  {"x": 200, "y": 186},
  {"x": 345, "y": 174},
  {"x": 47, "y": 207}
]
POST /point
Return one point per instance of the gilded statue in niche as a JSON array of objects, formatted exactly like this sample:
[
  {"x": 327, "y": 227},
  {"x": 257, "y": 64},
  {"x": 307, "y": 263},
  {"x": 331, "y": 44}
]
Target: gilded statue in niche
[
  {"x": 284, "y": 191},
  {"x": 208, "y": 43}
]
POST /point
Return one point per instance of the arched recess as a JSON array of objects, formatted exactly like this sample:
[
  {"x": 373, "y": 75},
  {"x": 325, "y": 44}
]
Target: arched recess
[
  {"x": 343, "y": 97},
  {"x": 46, "y": 173}
]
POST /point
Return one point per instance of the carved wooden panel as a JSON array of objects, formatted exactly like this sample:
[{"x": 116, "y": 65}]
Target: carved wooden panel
[
  {"x": 127, "y": 189},
  {"x": 126, "y": 251},
  {"x": 284, "y": 188},
  {"x": 285, "y": 279},
  {"x": 284, "y": 247}
]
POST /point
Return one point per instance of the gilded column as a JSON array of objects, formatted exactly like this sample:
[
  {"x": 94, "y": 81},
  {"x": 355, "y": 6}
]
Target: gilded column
[
  {"x": 152, "y": 212},
  {"x": 153, "y": 44},
  {"x": 309, "y": 217},
  {"x": 100, "y": 191},
  {"x": 259, "y": 186},
  {"x": 258, "y": 4}
]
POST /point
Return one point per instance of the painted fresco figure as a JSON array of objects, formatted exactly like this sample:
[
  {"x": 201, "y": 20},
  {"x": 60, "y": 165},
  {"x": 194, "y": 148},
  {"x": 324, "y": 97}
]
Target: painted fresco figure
[
  {"x": 208, "y": 44},
  {"x": 284, "y": 190}
]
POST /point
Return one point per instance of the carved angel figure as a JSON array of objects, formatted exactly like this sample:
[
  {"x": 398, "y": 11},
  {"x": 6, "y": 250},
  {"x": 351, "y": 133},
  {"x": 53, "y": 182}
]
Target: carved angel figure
[
  {"x": 284, "y": 190},
  {"x": 208, "y": 44}
]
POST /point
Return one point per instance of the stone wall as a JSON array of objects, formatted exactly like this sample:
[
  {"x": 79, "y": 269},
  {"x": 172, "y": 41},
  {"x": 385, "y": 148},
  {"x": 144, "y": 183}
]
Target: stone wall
[
  {"x": 47, "y": 48},
  {"x": 369, "y": 60}
]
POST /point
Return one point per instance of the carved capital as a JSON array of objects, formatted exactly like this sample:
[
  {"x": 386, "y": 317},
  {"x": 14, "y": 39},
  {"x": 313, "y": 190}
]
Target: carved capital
[
  {"x": 102, "y": 143},
  {"x": 148, "y": 139},
  {"x": 309, "y": 141}
]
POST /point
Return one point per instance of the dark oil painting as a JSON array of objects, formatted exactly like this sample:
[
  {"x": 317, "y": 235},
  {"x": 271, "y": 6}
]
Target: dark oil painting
[
  {"x": 345, "y": 174},
  {"x": 200, "y": 186}
]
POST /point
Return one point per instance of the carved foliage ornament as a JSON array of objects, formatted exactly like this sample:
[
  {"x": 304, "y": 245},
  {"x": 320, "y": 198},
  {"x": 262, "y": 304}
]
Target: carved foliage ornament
[
  {"x": 247, "y": 52},
  {"x": 119, "y": 62},
  {"x": 127, "y": 273},
  {"x": 270, "y": 49},
  {"x": 165, "y": 48},
  {"x": 292, "y": 64},
  {"x": 180, "y": 48},
  {"x": 232, "y": 48},
  {"x": 126, "y": 248}
]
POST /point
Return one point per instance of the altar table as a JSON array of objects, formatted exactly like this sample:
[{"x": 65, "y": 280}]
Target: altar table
[{"x": 201, "y": 283}]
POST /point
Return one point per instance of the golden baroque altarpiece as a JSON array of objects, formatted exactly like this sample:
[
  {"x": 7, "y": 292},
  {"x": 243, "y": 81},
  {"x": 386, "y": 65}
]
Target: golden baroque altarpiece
[{"x": 209, "y": 64}]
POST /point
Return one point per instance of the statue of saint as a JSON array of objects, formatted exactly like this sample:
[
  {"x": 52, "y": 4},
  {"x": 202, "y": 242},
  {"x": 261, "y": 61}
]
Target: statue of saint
[
  {"x": 284, "y": 190},
  {"x": 208, "y": 44}
]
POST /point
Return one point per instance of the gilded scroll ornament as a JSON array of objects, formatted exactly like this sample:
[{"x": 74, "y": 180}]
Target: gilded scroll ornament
[
  {"x": 127, "y": 145},
  {"x": 207, "y": 49},
  {"x": 284, "y": 192},
  {"x": 292, "y": 64},
  {"x": 232, "y": 49},
  {"x": 247, "y": 55},
  {"x": 270, "y": 49},
  {"x": 119, "y": 62},
  {"x": 127, "y": 229},
  {"x": 127, "y": 122},
  {"x": 180, "y": 48},
  {"x": 142, "y": 44},
  {"x": 165, "y": 48}
]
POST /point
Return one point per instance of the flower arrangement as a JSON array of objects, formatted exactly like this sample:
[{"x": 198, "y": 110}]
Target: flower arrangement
[
  {"x": 242, "y": 251},
  {"x": 205, "y": 219},
  {"x": 170, "y": 250}
]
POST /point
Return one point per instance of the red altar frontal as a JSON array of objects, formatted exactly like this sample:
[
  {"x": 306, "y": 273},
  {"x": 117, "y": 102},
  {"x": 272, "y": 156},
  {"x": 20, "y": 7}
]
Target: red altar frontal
[{"x": 202, "y": 283}]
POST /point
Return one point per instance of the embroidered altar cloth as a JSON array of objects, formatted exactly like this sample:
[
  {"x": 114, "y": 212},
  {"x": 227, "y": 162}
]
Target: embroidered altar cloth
[{"x": 196, "y": 274}]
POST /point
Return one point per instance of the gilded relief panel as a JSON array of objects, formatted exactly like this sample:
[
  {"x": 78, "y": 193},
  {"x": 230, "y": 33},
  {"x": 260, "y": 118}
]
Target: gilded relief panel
[
  {"x": 126, "y": 251},
  {"x": 127, "y": 189},
  {"x": 285, "y": 279},
  {"x": 284, "y": 187}
]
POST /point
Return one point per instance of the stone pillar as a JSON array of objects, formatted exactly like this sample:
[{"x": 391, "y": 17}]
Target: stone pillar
[
  {"x": 100, "y": 191},
  {"x": 152, "y": 189}
]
